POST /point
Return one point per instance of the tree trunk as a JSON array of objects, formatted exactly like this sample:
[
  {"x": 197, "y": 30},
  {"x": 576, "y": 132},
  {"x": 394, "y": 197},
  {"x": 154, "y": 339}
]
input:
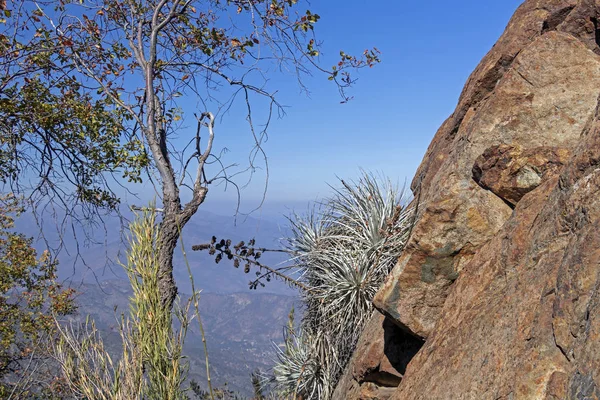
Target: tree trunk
[
  {"x": 173, "y": 221},
  {"x": 167, "y": 242}
]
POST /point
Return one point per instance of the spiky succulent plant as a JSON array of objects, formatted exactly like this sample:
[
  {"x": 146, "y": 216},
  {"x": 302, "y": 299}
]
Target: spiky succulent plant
[
  {"x": 304, "y": 365},
  {"x": 342, "y": 252}
]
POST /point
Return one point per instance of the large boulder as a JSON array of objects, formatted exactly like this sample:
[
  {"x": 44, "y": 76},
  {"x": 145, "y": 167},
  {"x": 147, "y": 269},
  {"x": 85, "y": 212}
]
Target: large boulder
[
  {"x": 501, "y": 274},
  {"x": 523, "y": 319},
  {"x": 532, "y": 94}
]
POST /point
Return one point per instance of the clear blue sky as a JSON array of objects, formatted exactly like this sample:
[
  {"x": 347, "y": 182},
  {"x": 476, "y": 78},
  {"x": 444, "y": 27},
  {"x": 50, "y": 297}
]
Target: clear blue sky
[{"x": 428, "y": 50}]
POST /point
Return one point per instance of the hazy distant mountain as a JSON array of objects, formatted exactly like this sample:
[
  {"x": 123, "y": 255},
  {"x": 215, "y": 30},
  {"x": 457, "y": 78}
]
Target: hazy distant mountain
[
  {"x": 97, "y": 256},
  {"x": 241, "y": 325},
  {"x": 240, "y": 329}
]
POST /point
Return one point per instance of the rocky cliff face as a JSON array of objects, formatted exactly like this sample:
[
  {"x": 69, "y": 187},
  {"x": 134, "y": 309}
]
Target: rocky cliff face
[{"x": 500, "y": 277}]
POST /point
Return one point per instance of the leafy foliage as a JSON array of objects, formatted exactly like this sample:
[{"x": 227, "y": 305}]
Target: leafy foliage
[
  {"x": 97, "y": 87},
  {"x": 54, "y": 125},
  {"x": 94, "y": 92},
  {"x": 29, "y": 297}
]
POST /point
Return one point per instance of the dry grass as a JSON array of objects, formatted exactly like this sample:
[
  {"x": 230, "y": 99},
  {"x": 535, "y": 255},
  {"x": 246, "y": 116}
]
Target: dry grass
[{"x": 151, "y": 365}]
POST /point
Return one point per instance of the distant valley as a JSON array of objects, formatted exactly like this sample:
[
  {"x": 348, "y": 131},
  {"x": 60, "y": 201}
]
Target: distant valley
[
  {"x": 241, "y": 329},
  {"x": 241, "y": 325}
]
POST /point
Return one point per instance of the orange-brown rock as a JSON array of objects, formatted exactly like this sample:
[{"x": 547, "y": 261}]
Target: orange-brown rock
[
  {"x": 511, "y": 172},
  {"x": 501, "y": 275},
  {"x": 536, "y": 88},
  {"x": 379, "y": 361},
  {"x": 523, "y": 319}
]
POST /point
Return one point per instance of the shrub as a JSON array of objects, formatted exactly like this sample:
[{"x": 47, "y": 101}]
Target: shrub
[
  {"x": 341, "y": 251},
  {"x": 29, "y": 296}
]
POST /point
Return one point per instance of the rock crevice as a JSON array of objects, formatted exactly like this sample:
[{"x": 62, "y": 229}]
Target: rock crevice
[{"x": 556, "y": 18}]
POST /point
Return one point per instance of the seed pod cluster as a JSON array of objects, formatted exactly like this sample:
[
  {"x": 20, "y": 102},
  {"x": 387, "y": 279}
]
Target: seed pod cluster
[{"x": 241, "y": 252}]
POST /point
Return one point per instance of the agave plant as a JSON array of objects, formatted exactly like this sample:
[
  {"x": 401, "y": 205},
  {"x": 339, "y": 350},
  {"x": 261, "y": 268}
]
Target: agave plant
[
  {"x": 371, "y": 216},
  {"x": 363, "y": 210},
  {"x": 348, "y": 284},
  {"x": 303, "y": 367},
  {"x": 310, "y": 235},
  {"x": 342, "y": 252}
]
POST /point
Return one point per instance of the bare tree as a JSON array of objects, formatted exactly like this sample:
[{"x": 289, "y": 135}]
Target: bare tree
[{"x": 94, "y": 88}]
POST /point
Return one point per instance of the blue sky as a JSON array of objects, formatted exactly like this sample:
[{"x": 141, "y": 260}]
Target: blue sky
[
  {"x": 429, "y": 48},
  {"x": 428, "y": 51}
]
